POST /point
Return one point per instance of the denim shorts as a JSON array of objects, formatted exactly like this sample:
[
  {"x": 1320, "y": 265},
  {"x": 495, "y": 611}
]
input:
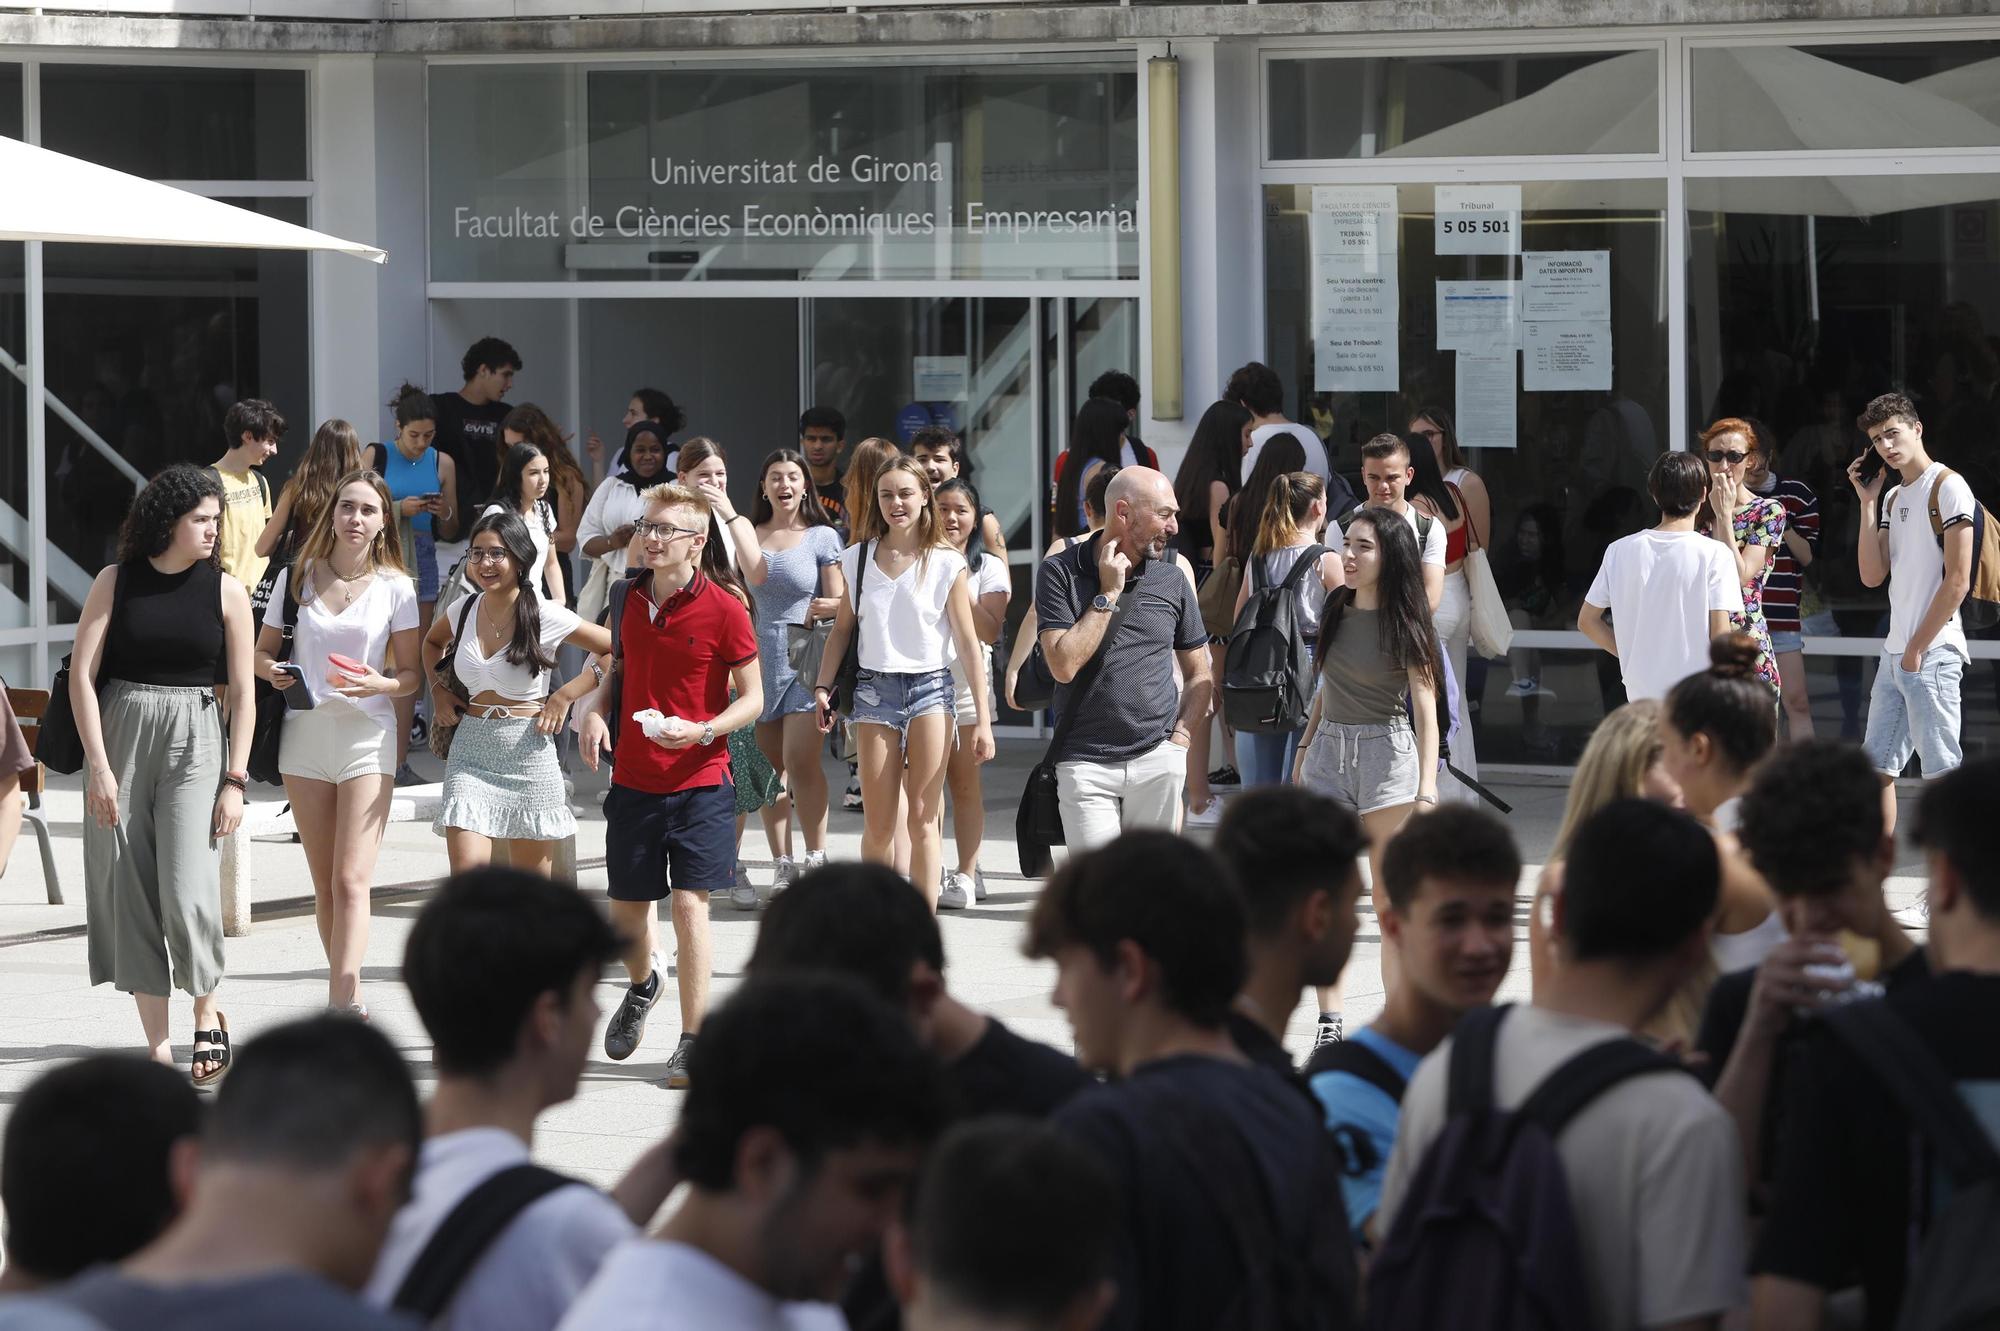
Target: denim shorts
[
  {"x": 1787, "y": 640},
  {"x": 1916, "y": 713},
  {"x": 883, "y": 698},
  {"x": 1364, "y": 767}
]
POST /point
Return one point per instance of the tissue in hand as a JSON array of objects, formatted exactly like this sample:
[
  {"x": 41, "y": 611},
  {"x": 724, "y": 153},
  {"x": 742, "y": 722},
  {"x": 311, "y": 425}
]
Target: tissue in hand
[{"x": 653, "y": 721}]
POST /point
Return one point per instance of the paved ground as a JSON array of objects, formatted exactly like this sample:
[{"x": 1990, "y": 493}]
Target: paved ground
[{"x": 49, "y": 1011}]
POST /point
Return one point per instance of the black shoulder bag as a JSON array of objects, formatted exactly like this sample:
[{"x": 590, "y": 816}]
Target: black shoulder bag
[
  {"x": 1038, "y": 822},
  {"x": 267, "y": 733},
  {"x": 59, "y": 746},
  {"x": 841, "y": 695}
]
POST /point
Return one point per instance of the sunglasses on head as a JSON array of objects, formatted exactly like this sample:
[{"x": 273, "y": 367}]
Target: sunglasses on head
[{"x": 1731, "y": 457}]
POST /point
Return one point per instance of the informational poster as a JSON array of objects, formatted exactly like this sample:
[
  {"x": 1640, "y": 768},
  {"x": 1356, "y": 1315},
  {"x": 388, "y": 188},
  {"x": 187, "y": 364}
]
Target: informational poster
[
  {"x": 1486, "y": 399},
  {"x": 1357, "y": 358},
  {"x": 1478, "y": 219},
  {"x": 1566, "y": 354},
  {"x": 939, "y": 378},
  {"x": 1566, "y": 284},
  {"x": 1478, "y": 316},
  {"x": 1356, "y": 301}
]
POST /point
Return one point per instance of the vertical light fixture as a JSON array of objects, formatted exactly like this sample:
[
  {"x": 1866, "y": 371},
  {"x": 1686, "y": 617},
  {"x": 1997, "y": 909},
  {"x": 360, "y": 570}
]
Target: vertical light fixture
[{"x": 1163, "y": 216}]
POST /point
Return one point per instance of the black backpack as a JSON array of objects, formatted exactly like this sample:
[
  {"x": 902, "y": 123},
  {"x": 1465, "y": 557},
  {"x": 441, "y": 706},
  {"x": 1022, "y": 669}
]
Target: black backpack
[
  {"x": 1485, "y": 1236},
  {"x": 456, "y": 1245},
  {"x": 1953, "y": 1281},
  {"x": 1267, "y": 672}
]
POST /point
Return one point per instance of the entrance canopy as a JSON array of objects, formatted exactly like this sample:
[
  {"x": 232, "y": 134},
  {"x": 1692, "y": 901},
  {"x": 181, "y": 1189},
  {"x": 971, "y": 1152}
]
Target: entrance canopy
[{"x": 49, "y": 196}]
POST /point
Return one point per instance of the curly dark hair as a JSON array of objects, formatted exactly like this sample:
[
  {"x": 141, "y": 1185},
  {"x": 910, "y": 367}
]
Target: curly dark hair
[
  {"x": 1814, "y": 809},
  {"x": 167, "y": 498}
]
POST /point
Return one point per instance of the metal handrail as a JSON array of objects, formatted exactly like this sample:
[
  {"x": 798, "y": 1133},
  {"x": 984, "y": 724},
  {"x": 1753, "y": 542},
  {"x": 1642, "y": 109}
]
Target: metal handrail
[{"x": 75, "y": 422}]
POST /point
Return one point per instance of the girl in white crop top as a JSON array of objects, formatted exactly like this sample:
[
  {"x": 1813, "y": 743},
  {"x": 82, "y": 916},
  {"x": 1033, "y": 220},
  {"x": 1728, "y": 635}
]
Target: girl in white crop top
[
  {"x": 914, "y": 598},
  {"x": 502, "y": 780}
]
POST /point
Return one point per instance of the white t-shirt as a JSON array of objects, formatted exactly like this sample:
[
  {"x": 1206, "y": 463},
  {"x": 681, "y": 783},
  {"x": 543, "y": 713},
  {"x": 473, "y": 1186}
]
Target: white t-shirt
[
  {"x": 1315, "y": 450},
  {"x": 1660, "y": 587},
  {"x": 613, "y": 505},
  {"x": 537, "y": 1267},
  {"x": 1654, "y": 1168},
  {"x": 479, "y": 673},
  {"x": 991, "y": 576},
  {"x": 1916, "y": 563},
  {"x": 904, "y": 628},
  {"x": 388, "y": 604},
  {"x": 650, "y": 1285},
  {"x": 541, "y": 530},
  {"x": 1431, "y": 541}
]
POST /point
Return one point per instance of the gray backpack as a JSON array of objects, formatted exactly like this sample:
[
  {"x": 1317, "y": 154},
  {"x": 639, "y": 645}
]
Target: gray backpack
[{"x": 1953, "y": 1283}]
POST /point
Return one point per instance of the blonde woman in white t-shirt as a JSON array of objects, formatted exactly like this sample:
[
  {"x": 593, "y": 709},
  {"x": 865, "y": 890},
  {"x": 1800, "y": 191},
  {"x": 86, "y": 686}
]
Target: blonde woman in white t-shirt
[
  {"x": 988, "y": 581},
  {"x": 916, "y": 607},
  {"x": 354, "y": 606},
  {"x": 502, "y": 782}
]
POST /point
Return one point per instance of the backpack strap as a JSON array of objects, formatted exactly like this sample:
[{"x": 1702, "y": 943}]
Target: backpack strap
[
  {"x": 464, "y": 613},
  {"x": 1307, "y": 560},
  {"x": 1469, "y": 1085},
  {"x": 456, "y": 1246},
  {"x": 1565, "y": 1092},
  {"x": 1897, "y": 1055},
  {"x": 1358, "y": 1060}
]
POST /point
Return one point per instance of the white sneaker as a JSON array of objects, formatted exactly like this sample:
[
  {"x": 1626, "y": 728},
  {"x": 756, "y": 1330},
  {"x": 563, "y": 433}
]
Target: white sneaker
[
  {"x": 1208, "y": 817},
  {"x": 956, "y": 893},
  {"x": 815, "y": 859},
  {"x": 743, "y": 895},
  {"x": 979, "y": 884},
  {"x": 781, "y": 876}
]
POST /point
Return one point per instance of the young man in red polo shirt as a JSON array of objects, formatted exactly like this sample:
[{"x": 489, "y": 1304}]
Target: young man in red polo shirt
[{"x": 670, "y": 817}]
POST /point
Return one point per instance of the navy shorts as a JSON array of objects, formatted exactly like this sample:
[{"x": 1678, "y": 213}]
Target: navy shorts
[{"x": 653, "y": 843}]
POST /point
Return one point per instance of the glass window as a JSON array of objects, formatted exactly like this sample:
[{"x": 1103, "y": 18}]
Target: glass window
[
  {"x": 147, "y": 347},
  {"x": 1789, "y": 98},
  {"x": 1516, "y": 105},
  {"x": 1002, "y": 171},
  {"x": 169, "y": 123},
  {"x": 15, "y": 589},
  {"x": 1809, "y": 296},
  {"x": 1579, "y": 412}
]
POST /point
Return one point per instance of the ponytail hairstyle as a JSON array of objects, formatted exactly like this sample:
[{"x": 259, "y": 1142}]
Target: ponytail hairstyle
[
  {"x": 1286, "y": 510},
  {"x": 864, "y": 515},
  {"x": 1624, "y": 747},
  {"x": 1728, "y": 703},
  {"x": 1408, "y": 637},
  {"x": 534, "y": 426},
  {"x": 525, "y": 647},
  {"x": 1094, "y": 493},
  {"x": 1281, "y": 455},
  {"x": 975, "y": 544},
  {"x": 385, "y": 552},
  {"x": 333, "y": 454},
  {"x": 810, "y": 508}
]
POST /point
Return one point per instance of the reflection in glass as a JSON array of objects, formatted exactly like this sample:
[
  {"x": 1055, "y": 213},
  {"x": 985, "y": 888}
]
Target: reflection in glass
[
  {"x": 147, "y": 348},
  {"x": 1465, "y": 105},
  {"x": 166, "y": 123},
  {"x": 15, "y": 589},
  {"x": 1750, "y": 98}
]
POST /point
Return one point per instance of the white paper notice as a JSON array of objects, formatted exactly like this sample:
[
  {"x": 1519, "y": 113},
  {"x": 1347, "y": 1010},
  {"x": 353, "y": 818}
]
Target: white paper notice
[
  {"x": 1478, "y": 219},
  {"x": 1486, "y": 399},
  {"x": 1354, "y": 272},
  {"x": 1566, "y": 284},
  {"x": 1566, "y": 354},
  {"x": 939, "y": 378},
  {"x": 1477, "y": 316},
  {"x": 1356, "y": 358}
]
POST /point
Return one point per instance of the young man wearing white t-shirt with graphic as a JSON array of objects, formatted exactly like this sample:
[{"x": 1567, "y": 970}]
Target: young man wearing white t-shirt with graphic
[
  {"x": 1915, "y": 703},
  {"x": 1386, "y": 473},
  {"x": 1661, "y": 595}
]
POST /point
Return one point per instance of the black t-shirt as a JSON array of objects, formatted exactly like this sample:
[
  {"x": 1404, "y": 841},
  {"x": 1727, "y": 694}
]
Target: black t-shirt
[
  {"x": 1257, "y": 1044},
  {"x": 1007, "y": 1073},
  {"x": 1179, "y": 1263},
  {"x": 1722, "y": 1019},
  {"x": 833, "y": 499},
  {"x": 469, "y": 434},
  {"x": 1840, "y": 1213}
]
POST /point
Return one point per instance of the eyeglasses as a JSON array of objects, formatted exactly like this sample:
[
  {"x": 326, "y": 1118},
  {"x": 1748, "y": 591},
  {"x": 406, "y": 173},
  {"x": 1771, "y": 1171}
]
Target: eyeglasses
[
  {"x": 1732, "y": 458},
  {"x": 487, "y": 556},
  {"x": 1432, "y": 435},
  {"x": 649, "y": 530}
]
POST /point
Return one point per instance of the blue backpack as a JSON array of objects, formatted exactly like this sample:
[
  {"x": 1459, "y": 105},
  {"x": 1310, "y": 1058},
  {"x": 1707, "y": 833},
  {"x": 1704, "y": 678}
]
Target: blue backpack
[{"x": 1485, "y": 1237}]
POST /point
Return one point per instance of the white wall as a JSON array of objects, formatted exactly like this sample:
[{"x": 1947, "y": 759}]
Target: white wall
[
  {"x": 345, "y": 376},
  {"x": 402, "y": 312}
]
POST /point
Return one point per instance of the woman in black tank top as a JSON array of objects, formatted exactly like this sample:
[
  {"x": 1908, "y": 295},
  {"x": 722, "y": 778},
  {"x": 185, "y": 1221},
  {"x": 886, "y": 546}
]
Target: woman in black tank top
[{"x": 163, "y": 632}]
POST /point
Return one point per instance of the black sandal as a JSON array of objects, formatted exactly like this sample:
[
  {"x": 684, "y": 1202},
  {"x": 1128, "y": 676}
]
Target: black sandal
[{"x": 217, "y": 1054}]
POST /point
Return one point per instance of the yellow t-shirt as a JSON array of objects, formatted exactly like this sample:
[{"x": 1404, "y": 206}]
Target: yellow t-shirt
[{"x": 246, "y": 507}]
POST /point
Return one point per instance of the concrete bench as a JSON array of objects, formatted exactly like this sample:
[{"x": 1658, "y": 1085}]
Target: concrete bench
[{"x": 270, "y": 818}]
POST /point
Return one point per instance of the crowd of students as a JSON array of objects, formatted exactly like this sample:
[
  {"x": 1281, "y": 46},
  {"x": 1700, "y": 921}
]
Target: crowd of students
[{"x": 1679, "y": 1106}]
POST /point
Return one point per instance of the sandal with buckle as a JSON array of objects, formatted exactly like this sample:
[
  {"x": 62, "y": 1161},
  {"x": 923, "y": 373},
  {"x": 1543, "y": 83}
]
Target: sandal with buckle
[{"x": 216, "y": 1054}]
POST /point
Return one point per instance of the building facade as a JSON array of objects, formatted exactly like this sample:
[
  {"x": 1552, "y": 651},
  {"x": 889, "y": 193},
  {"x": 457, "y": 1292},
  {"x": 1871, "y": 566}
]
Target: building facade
[{"x": 1583, "y": 231}]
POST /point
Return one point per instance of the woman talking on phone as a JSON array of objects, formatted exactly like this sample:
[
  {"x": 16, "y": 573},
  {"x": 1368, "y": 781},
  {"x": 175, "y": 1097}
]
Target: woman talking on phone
[{"x": 353, "y": 605}]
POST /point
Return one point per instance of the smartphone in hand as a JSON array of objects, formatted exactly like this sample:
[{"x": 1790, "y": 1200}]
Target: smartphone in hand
[{"x": 297, "y": 697}]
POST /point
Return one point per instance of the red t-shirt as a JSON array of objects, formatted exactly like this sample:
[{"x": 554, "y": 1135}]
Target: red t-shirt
[{"x": 679, "y": 663}]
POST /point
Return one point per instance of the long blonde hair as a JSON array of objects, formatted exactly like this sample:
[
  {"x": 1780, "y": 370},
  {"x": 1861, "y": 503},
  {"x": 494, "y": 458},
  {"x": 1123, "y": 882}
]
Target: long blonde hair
[
  {"x": 864, "y": 514},
  {"x": 1286, "y": 508},
  {"x": 1613, "y": 767},
  {"x": 930, "y": 528},
  {"x": 385, "y": 552},
  {"x": 335, "y": 452}
]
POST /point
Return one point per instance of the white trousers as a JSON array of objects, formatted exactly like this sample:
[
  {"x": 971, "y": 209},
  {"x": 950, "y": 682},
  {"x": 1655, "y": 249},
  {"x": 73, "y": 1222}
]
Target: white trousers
[{"x": 1100, "y": 800}]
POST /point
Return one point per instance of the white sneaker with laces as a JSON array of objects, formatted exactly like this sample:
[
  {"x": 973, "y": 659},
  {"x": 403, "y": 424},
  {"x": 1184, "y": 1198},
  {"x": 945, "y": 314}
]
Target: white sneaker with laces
[
  {"x": 1208, "y": 817},
  {"x": 956, "y": 892},
  {"x": 781, "y": 877},
  {"x": 979, "y": 884},
  {"x": 743, "y": 895},
  {"x": 815, "y": 859}
]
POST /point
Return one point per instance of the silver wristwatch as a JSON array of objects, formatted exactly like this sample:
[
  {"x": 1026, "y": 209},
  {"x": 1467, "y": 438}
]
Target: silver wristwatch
[
  {"x": 707, "y": 733},
  {"x": 1103, "y": 602}
]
